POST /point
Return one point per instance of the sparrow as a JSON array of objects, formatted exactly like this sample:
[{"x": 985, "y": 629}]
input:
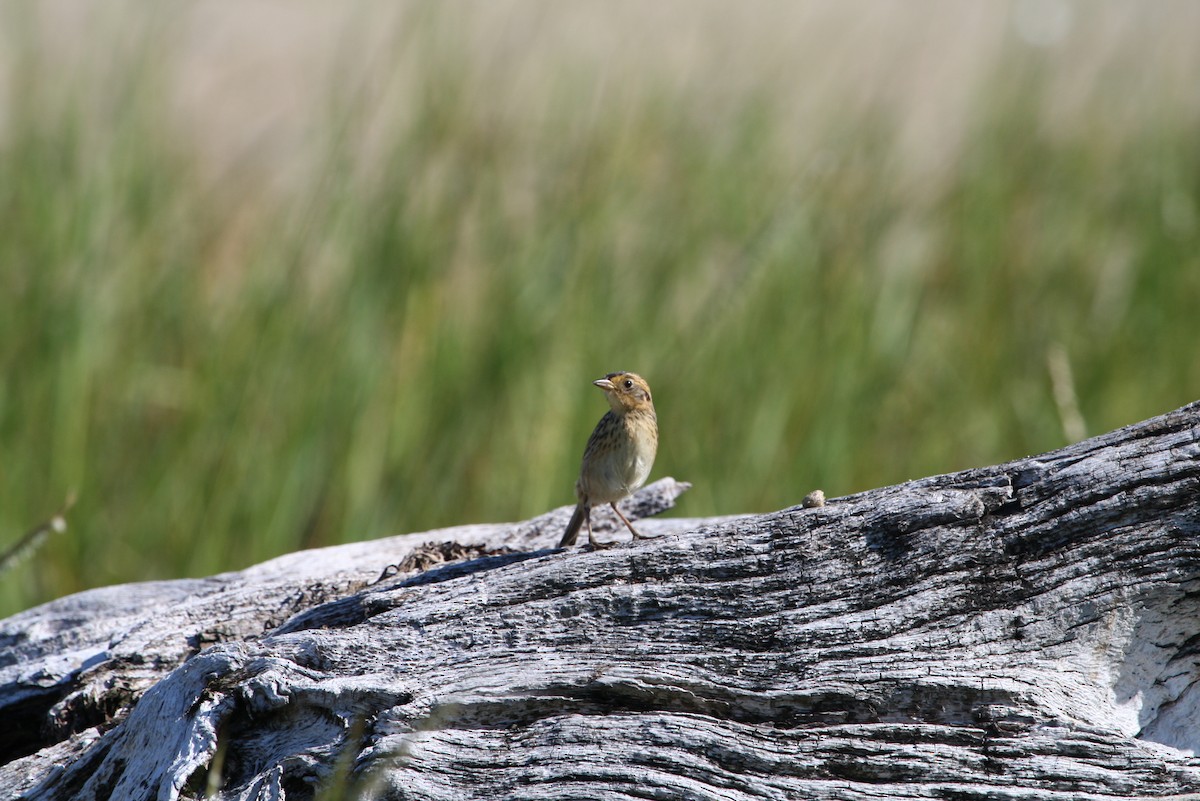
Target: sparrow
[{"x": 618, "y": 456}]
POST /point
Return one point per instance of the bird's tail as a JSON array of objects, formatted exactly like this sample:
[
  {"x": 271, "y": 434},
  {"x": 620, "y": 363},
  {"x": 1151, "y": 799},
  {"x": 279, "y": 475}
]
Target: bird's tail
[{"x": 572, "y": 533}]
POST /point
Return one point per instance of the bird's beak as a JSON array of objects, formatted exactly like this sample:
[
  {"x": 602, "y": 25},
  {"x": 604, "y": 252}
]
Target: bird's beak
[{"x": 605, "y": 385}]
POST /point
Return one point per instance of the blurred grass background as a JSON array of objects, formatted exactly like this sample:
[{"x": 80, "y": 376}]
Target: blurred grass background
[{"x": 281, "y": 275}]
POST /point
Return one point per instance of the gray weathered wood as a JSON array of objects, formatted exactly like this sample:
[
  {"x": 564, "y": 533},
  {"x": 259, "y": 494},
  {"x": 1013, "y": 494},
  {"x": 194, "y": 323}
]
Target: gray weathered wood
[{"x": 1024, "y": 631}]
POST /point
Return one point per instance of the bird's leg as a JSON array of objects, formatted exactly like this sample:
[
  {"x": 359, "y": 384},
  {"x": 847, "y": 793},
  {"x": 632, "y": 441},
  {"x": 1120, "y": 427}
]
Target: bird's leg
[
  {"x": 592, "y": 541},
  {"x": 629, "y": 525}
]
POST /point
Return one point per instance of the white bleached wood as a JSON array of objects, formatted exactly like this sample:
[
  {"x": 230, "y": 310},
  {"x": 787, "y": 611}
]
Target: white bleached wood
[{"x": 1025, "y": 631}]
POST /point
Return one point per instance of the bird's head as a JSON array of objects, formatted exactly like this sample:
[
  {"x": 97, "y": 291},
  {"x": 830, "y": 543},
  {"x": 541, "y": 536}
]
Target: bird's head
[{"x": 626, "y": 392}]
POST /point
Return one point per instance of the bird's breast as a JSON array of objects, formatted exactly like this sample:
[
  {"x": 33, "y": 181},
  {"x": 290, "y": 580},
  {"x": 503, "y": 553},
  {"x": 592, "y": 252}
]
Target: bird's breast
[
  {"x": 619, "y": 459},
  {"x": 643, "y": 440}
]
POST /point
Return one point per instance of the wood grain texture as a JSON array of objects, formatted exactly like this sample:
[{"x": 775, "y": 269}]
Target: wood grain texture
[{"x": 1024, "y": 631}]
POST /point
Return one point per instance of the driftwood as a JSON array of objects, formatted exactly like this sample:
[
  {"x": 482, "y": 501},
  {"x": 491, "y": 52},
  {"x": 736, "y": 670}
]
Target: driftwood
[{"x": 1024, "y": 631}]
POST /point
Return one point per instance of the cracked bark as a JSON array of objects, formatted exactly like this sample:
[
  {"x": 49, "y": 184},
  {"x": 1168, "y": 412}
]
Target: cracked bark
[{"x": 1024, "y": 631}]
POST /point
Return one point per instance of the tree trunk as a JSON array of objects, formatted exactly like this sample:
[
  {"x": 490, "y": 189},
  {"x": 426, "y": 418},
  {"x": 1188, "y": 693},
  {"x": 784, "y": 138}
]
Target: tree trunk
[{"x": 1024, "y": 631}]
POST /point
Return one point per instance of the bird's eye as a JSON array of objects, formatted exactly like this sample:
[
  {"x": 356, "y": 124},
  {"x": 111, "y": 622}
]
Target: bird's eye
[{"x": 628, "y": 384}]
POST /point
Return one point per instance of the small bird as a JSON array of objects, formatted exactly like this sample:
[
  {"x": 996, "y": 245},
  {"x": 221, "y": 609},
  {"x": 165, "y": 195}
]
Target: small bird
[{"x": 618, "y": 456}]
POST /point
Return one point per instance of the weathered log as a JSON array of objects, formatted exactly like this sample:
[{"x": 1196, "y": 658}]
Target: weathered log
[{"x": 1024, "y": 631}]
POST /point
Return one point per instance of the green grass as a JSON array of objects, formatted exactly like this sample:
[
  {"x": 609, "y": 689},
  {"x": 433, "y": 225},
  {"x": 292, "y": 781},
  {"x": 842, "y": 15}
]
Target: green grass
[{"x": 407, "y": 340}]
